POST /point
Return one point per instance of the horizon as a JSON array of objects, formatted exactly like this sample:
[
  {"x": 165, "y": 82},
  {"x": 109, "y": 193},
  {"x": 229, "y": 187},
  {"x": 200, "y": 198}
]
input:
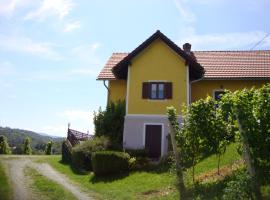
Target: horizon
[{"x": 51, "y": 51}]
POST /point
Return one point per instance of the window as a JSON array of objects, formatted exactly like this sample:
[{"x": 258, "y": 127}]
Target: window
[
  {"x": 218, "y": 94},
  {"x": 157, "y": 90}
]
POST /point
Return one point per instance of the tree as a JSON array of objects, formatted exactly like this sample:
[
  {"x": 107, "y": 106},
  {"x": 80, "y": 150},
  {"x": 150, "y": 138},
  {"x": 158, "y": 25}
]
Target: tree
[
  {"x": 27, "y": 146},
  {"x": 110, "y": 123},
  {"x": 48, "y": 150},
  {"x": 4, "y": 147}
]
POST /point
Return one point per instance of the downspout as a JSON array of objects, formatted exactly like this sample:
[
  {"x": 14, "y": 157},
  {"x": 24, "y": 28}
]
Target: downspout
[{"x": 106, "y": 86}]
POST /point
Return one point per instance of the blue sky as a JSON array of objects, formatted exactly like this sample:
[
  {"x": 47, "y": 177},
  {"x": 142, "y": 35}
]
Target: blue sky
[{"x": 52, "y": 50}]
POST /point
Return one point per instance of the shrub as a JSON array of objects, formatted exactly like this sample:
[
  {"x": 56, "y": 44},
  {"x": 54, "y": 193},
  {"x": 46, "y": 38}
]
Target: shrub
[
  {"x": 110, "y": 123},
  {"x": 4, "y": 147},
  {"x": 238, "y": 188},
  {"x": 81, "y": 154},
  {"x": 66, "y": 151},
  {"x": 110, "y": 162},
  {"x": 48, "y": 150},
  {"x": 137, "y": 152}
]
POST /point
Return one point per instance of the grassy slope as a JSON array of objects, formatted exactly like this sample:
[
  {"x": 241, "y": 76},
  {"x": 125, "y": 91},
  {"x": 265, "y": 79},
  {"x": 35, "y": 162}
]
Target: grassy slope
[
  {"x": 5, "y": 190},
  {"x": 139, "y": 184},
  {"x": 46, "y": 188}
]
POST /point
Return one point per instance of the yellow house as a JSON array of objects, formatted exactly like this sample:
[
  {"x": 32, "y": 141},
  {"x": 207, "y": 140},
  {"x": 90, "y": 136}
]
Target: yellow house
[{"x": 158, "y": 74}]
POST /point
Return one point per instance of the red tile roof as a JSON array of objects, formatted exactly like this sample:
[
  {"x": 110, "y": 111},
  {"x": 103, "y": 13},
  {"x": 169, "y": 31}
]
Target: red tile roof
[
  {"x": 106, "y": 72},
  {"x": 234, "y": 64},
  {"x": 217, "y": 64}
]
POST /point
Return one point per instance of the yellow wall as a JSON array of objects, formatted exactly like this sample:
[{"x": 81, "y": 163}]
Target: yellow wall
[
  {"x": 117, "y": 90},
  {"x": 157, "y": 62},
  {"x": 203, "y": 88}
]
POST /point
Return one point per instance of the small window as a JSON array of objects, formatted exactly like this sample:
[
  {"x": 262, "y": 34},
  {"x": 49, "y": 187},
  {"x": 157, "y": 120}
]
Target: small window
[
  {"x": 218, "y": 94},
  {"x": 157, "y": 90}
]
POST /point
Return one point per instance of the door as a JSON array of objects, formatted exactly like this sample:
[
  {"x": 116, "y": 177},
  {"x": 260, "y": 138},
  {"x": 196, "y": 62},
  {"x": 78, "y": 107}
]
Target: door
[{"x": 153, "y": 140}]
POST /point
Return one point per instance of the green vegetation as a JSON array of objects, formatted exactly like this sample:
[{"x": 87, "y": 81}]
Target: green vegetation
[
  {"x": 82, "y": 153},
  {"x": 4, "y": 147},
  {"x": 48, "y": 150},
  {"x": 110, "y": 162},
  {"x": 110, "y": 123},
  {"x": 46, "y": 188},
  {"x": 152, "y": 184},
  {"x": 27, "y": 146},
  {"x": 66, "y": 151},
  {"x": 5, "y": 189},
  {"x": 15, "y": 138}
]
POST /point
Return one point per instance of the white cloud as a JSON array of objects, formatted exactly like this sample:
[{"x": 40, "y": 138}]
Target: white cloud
[
  {"x": 87, "y": 53},
  {"x": 56, "y": 130},
  {"x": 72, "y": 26},
  {"x": 27, "y": 45},
  {"x": 184, "y": 11},
  {"x": 80, "y": 120},
  {"x": 7, "y": 7},
  {"x": 47, "y": 8},
  {"x": 225, "y": 41}
]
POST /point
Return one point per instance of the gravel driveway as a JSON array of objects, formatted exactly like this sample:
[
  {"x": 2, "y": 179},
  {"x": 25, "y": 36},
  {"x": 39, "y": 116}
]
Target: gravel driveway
[{"x": 20, "y": 183}]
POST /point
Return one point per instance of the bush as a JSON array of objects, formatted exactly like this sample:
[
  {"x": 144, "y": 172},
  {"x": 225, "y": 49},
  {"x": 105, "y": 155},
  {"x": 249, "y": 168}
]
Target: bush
[
  {"x": 137, "y": 152},
  {"x": 110, "y": 162},
  {"x": 238, "y": 188},
  {"x": 81, "y": 154},
  {"x": 110, "y": 123},
  {"x": 66, "y": 151}
]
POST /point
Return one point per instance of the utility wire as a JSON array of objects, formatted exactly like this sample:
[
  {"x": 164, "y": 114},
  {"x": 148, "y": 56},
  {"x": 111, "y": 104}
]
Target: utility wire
[{"x": 260, "y": 41}]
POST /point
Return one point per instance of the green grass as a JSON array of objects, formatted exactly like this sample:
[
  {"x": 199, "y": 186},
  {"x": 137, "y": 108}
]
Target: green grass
[
  {"x": 210, "y": 163},
  {"x": 46, "y": 188},
  {"x": 138, "y": 185},
  {"x": 5, "y": 189}
]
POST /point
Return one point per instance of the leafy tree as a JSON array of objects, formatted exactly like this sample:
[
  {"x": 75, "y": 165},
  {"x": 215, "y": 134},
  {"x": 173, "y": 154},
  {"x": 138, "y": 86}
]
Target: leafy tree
[
  {"x": 4, "y": 147},
  {"x": 27, "y": 146},
  {"x": 110, "y": 123},
  {"x": 48, "y": 150}
]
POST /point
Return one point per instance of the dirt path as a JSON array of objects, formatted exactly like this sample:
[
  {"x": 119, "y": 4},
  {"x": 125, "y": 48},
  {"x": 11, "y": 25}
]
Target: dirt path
[{"x": 20, "y": 184}]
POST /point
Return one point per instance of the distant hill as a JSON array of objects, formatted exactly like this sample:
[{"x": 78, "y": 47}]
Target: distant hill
[{"x": 16, "y": 137}]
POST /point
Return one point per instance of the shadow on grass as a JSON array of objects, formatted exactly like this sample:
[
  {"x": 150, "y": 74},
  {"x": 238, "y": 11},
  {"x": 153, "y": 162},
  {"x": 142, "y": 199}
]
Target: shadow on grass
[
  {"x": 74, "y": 169},
  {"x": 108, "y": 178}
]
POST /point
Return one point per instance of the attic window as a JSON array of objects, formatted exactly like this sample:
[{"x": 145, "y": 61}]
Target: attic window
[{"x": 157, "y": 90}]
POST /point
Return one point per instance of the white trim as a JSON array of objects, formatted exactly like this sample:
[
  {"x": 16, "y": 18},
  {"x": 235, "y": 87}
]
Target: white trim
[
  {"x": 127, "y": 95},
  {"x": 157, "y": 100},
  {"x": 162, "y": 135},
  {"x": 187, "y": 80},
  {"x": 216, "y": 90}
]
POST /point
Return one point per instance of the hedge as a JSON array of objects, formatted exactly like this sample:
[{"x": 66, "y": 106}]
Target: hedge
[
  {"x": 110, "y": 162},
  {"x": 66, "y": 151}
]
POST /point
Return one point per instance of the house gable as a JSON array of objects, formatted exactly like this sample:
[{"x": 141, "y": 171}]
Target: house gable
[{"x": 156, "y": 63}]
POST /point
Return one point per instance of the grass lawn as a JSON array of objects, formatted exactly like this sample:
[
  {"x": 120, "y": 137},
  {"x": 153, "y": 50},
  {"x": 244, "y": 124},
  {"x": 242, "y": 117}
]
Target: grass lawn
[
  {"x": 46, "y": 188},
  {"x": 5, "y": 189},
  {"x": 159, "y": 184}
]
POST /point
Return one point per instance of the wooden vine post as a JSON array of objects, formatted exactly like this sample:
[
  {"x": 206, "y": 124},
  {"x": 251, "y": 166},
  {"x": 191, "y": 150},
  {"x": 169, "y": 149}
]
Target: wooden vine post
[{"x": 174, "y": 128}]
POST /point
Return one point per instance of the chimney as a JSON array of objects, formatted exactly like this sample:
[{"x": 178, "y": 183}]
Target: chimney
[{"x": 187, "y": 48}]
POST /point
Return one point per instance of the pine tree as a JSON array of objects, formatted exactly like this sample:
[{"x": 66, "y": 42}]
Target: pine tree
[
  {"x": 27, "y": 146},
  {"x": 4, "y": 147}
]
